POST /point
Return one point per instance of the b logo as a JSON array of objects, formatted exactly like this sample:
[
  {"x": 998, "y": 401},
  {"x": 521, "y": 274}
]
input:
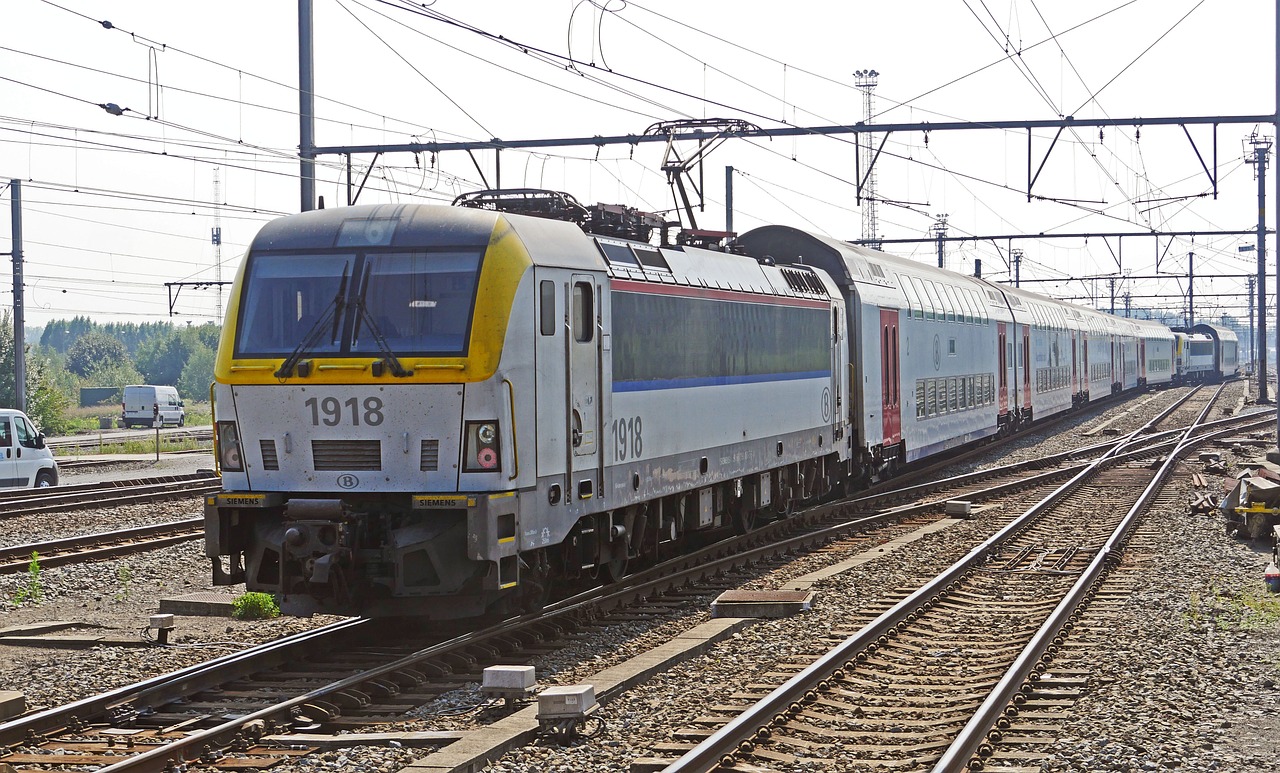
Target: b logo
[{"x": 348, "y": 481}]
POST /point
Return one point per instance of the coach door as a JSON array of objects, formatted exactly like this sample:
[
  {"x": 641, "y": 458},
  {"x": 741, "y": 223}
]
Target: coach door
[
  {"x": 583, "y": 375},
  {"x": 1025, "y": 361},
  {"x": 1115, "y": 372},
  {"x": 1075, "y": 366},
  {"x": 1142, "y": 360},
  {"x": 1002, "y": 366},
  {"x": 890, "y": 377}
]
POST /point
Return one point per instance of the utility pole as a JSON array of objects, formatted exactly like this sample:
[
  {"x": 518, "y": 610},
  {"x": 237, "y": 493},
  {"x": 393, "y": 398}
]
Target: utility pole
[
  {"x": 306, "y": 106},
  {"x": 1128, "y": 299},
  {"x": 1191, "y": 290},
  {"x": 867, "y": 80},
  {"x": 1016, "y": 254},
  {"x": 940, "y": 233},
  {"x": 728, "y": 199},
  {"x": 1261, "y": 147},
  {"x": 19, "y": 306},
  {"x": 1112, "y": 282}
]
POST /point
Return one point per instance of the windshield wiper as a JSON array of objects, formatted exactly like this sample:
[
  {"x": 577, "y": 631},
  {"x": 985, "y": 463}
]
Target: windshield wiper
[
  {"x": 362, "y": 314},
  {"x": 334, "y": 310}
]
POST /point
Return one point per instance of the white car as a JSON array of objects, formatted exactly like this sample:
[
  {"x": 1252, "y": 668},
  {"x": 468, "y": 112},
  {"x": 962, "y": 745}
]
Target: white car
[{"x": 24, "y": 459}]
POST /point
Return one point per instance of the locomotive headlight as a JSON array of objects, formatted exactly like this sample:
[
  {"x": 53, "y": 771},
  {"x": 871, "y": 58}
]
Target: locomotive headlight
[
  {"x": 481, "y": 450},
  {"x": 229, "y": 455}
]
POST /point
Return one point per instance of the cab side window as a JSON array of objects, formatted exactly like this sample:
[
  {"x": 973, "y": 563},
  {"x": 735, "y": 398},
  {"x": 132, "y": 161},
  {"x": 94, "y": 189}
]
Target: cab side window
[
  {"x": 26, "y": 435},
  {"x": 6, "y": 434}
]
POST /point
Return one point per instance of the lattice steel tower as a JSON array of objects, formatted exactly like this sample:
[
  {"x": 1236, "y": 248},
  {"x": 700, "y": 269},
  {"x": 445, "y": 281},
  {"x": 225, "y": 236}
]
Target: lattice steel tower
[{"x": 866, "y": 80}]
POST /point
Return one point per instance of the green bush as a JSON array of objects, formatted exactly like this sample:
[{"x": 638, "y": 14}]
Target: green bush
[{"x": 255, "y": 606}]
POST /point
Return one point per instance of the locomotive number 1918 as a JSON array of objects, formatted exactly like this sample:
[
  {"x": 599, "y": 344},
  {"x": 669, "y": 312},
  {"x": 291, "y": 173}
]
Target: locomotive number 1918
[
  {"x": 628, "y": 440},
  {"x": 332, "y": 411}
]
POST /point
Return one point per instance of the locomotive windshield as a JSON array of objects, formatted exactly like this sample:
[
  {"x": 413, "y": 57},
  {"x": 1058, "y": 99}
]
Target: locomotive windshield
[{"x": 419, "y": 302}]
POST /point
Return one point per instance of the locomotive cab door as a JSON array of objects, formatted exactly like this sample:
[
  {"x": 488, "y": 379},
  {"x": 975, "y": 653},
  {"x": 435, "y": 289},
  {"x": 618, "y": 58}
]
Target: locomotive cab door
[{"x": 582, "y": 362}]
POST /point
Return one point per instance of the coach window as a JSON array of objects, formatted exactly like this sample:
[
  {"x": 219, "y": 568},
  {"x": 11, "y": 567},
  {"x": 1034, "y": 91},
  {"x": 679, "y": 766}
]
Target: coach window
[
  {"x": 975, "y": 303},
  {"x": 953, "y": 299},
  {"x": 962, "y": 306},
  {"x": 909, "y": 292},
  {"x": 547, "y": 307},
  {"x": 935, "y": 298},
  {"x": 926, "y": 308},
  {"x": 583, "y": 312}
]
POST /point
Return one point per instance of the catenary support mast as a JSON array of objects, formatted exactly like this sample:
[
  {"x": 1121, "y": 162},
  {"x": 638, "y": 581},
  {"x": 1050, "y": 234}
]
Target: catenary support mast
[{"x": 19, "y": 305}]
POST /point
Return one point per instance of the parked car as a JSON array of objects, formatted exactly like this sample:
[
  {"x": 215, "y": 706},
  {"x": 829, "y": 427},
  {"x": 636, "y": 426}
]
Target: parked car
[
  {"x": 24, "y": 459},
  {"x": 146, "y": 404}
]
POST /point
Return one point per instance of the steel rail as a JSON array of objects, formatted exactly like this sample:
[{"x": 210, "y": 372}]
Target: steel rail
[
  {"x": 70, "y": 550},
  {"x": 789, "y": 696},
  {"x": 12, "y": 495},
  {"x": 115, "y": 496},
  {"x": 971, "y": 743},
  {"x": 200, "y": 676}
]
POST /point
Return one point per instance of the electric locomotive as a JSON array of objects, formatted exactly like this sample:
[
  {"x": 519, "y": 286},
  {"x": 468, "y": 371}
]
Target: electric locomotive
[
  {"x": 441, "y": 411},
  {"x": 437, "y": 411}
]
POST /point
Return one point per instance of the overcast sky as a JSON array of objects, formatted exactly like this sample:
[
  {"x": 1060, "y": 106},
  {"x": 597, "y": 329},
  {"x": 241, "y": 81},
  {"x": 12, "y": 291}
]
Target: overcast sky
[{"x": 115, "y": 206}]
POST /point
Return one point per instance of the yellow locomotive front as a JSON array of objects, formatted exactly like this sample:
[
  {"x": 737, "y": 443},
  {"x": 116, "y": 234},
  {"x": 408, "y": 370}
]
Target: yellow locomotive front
[{"x": 365, "y": 413}]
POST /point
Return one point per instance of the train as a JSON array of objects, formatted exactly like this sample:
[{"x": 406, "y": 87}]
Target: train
[{"x": 445, "y": 412}]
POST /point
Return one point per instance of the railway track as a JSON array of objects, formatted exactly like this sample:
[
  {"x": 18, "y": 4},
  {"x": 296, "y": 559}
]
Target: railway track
[
  {"x": 65, "y": 463},
  {"x": 346, "y": 682},
  {"x": 16, "y": 502},
  {"x": 92, "y": 547},
  {"x": 88, "y": 443},
  {"x": 957, "y": 673}
]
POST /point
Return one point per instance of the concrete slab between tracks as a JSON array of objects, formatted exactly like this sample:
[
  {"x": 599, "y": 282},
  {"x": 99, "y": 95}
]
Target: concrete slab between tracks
[
  {"x": 489, "y": 743},
  {"x": 343, "y": 741},
  {"x": 807, "y": 581},
  {"x": 206, "y": 604},
  {"x": 35, "y": 629}
]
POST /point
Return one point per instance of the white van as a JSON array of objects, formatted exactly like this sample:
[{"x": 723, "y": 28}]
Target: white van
[
  {"x": 24, "y": 459},
  {"x": 145, "y": 403}
]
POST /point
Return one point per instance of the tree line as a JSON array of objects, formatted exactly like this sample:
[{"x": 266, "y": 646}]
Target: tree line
[{"x": 79, "y": 353}]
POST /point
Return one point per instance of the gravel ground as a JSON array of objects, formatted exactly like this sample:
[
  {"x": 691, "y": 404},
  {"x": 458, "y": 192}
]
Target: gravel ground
[{"x": 1188, "y": 682}]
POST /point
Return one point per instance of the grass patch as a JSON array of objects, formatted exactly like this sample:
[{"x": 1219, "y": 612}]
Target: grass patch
[
  {"x": 1251, "y": 609},
  {"x": 32, "y": 590},
  {"x": 255, "y": 606},
  {"x": 84, "y": 421}
]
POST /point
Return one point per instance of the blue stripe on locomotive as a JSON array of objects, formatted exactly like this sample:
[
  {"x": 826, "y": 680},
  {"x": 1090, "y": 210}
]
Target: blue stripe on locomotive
[{"x": 704, "y": 381}]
